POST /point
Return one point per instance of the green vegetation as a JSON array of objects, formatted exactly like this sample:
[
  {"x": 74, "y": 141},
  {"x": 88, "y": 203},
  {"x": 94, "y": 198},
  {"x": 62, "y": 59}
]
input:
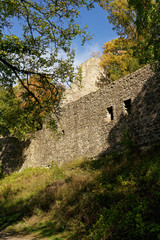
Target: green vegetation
[
  {"x": 32, "y": 59},
  {"x": 20, "y": 114},
  {"x": 148, "y": 25},
  {"x": 38, "y": 59},
  {"x": 114, "y": 197},
  {"x": 137, "y": 23},
  {"x": 119, "y": 57},
  {"x": 118, "y": 60}
]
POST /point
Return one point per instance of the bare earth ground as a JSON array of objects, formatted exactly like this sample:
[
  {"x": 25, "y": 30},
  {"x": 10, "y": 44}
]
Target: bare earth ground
[{"x": 9, "y": 236}]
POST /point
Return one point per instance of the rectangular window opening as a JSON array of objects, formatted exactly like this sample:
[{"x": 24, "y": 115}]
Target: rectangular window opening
[
  {"x": 127, "y": 106},
  {"x": 110, "y": 116}
]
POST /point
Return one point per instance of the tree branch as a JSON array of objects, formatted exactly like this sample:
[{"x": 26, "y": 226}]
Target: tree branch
[{"x": 14, "y": 68}]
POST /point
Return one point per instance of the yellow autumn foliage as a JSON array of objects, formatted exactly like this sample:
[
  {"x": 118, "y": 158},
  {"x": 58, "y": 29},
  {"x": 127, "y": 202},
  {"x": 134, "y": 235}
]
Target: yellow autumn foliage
[
  {"x": 122, "y": 16},
  {"x": 117, "y": 59}
]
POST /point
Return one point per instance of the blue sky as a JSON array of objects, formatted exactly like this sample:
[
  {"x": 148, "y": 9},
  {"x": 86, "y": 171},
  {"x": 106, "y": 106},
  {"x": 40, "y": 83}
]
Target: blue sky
[{"x": 98, "y": 25}]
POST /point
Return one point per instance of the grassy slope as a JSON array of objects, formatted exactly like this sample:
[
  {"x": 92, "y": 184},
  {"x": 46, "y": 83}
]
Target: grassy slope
[{"x": 114, "y": 197}]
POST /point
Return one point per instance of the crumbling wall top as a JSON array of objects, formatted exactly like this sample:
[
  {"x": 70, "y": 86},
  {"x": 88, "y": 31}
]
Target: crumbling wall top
[{"x": 90, "y": 73}]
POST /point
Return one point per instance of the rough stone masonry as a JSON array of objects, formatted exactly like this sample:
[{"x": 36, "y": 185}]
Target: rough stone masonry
[{"x": 94, "y": 123}]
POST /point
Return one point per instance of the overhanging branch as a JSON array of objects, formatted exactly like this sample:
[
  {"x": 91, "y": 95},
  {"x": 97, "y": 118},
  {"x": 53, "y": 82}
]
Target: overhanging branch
[{"x": 14, "y": 68}]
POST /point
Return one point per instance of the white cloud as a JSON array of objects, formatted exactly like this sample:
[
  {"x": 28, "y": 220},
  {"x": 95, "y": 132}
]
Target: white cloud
[{"x": 83, "y": 53}]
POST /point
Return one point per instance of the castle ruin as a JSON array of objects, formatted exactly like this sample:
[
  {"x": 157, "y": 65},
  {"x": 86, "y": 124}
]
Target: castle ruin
[{"x": 93, "y": 121}]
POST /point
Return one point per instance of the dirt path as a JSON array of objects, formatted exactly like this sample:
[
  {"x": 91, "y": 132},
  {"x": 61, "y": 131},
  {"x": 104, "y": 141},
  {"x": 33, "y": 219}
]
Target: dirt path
[{"x": 9, "y": 236}]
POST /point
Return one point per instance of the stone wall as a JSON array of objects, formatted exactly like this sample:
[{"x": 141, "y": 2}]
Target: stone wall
[
  {"x": 90, "y": 74},
  {"x": 88, "y": 127},
  {"x": 12, "y": 153},
  {"x": 95, "y": 123}
]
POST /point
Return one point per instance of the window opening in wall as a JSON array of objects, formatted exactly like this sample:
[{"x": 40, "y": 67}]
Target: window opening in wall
[
  {"x": 110, "y": 116},
  {"x": 127, "y": 106}
]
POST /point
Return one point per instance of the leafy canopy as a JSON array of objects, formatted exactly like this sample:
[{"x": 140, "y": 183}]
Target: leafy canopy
[
  {"x": 138, "y": 21},
  {"x": 138, "y": 25},
  {"x": 122, "y": 16},
  {"x": 117, "y": 60},
  {"x": 11, "y": 113},
  {"x": 148, "y": 25},
  {"x": 40, "y": 51}
]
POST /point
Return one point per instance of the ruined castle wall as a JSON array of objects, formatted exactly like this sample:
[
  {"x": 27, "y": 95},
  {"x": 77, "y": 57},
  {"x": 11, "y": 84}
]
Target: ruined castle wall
[
  {"x": 94, "y": 124},
  {"x": 90, "y": 73}
]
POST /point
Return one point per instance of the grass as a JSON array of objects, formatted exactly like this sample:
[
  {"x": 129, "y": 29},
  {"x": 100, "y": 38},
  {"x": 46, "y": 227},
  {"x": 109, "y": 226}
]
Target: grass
[{"x": 115, "y": 197}]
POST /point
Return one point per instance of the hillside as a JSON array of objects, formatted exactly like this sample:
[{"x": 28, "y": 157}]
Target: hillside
[{"x": 114, "y": 197}]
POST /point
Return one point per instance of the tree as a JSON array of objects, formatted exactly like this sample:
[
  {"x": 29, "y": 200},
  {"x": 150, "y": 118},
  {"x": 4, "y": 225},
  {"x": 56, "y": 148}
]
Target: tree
[
  {"x": 135, "y": 47},
  {"x": 20, "y": 113},
  {"x": 10, "y": 113},
  {"x": 47, "y": 28},
  {"x": 117, "y": 60},
  {"x": 47, "y": 99},
  {"x": 122, "y": 16},
  {"x": 139, "y": 21},
  {"x": 148, "y": 25}
]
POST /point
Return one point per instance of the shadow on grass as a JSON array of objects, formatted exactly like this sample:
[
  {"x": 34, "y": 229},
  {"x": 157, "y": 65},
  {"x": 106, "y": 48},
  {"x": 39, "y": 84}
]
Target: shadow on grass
[
  {"x": 9, "y": 235},
  {"x": 120, "y": 202},
  {"x": 47, "y": 229}
]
